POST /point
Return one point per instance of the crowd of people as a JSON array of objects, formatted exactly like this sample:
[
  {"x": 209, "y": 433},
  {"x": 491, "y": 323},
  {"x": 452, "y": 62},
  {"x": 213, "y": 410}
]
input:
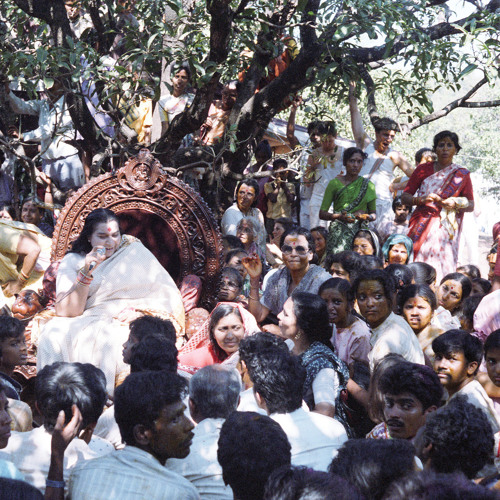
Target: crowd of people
[{"x": 348, "y": 354}]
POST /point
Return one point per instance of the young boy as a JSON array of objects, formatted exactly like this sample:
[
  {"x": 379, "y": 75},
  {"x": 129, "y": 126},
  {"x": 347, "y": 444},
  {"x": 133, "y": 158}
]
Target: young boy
[
  {"x": 13, "y": 352},
  {"x": 491, "y": 380},
  {"x": 458, "y": 355}
]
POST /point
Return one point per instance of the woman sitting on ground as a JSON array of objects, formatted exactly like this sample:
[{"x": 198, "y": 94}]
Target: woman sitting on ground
[
  {"x": 218, "y": 339},
  {"x": 305, "y": 321}
]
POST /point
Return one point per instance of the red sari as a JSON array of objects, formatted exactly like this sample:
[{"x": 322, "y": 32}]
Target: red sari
[{"x": 433, "y": 241}]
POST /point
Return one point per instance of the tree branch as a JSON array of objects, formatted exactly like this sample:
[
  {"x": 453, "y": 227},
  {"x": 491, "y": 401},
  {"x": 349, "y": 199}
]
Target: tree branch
[{"x": 461, "y": 102}]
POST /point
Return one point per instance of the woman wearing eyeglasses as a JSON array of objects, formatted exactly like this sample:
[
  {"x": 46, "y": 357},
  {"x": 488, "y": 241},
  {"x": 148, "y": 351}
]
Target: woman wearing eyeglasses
[{"x": 297, "y": 248}]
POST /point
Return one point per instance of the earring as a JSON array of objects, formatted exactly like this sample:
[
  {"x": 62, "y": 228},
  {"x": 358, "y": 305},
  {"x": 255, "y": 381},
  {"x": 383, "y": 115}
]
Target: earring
[{"x": 298, "y": 335}]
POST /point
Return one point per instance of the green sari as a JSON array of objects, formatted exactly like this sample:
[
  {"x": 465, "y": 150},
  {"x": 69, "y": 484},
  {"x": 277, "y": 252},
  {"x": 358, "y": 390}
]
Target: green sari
[{"x": 358, "y": 195}]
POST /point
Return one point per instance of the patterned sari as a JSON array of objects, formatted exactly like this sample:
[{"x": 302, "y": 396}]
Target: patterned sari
[
  {"x": 436, "y": 239},
  {"x": 359, "y": 195}
]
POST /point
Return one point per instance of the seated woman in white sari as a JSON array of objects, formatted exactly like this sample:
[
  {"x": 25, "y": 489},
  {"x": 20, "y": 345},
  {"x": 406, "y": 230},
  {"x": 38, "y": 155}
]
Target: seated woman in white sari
[{"x": 105, "y": 281}]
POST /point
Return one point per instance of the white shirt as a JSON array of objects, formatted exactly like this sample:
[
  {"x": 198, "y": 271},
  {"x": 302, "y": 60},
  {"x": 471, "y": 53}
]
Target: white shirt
[
  {"x": 476, "y": 395},
  {"x": 30, "y": 453},
  {"x": 201, "y": 467},
  {"x": 315, "y": 438},
  {"x": 55, "y": 126},
  {"x": 108, "y": 429},
  {"x": 395, "y": 335},
  {"x": 128, "y": 474}
]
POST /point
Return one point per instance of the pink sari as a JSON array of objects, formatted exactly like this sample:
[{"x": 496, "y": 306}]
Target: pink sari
[
  {"x": 432, "y": 243},
  {"x": 201, "y": 339}
]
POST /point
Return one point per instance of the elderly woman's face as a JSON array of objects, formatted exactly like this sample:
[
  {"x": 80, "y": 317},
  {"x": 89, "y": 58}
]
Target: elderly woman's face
[
  {"x": 106, "y": 235},
  {"x": 398, "y": 254},
  {"x": 373, "y": 304},
  {"x": 245, "y": 197},
  {"x": 228, "y": 332}
]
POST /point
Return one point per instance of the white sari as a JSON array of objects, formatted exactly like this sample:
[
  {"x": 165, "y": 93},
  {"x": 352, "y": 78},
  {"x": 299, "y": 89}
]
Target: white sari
[{"x": 131, "y": 277}]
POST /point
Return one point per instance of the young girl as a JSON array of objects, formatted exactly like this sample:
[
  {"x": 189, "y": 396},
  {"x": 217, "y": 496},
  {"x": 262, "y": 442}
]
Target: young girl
[
  {"x": 418, "y": 304},
  {"x": 351, "y": 336}
]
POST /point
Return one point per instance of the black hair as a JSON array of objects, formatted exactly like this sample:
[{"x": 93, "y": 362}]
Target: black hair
[
  {"x": 461, "y": 438},
  {"x": 234, "y": 274},
  {"x": 423, "y": 273},
  {"x": 14, "y": 489},
  {"x": 234, "y": 252},
  {"x": 221, "y": 311},
  {"x": 251, "y": 446},
  {"x": 99, "y": 215},
  {"x": 419, "y": 380},
  {"x": 265, "y": 148},
  {"x": 33, "y": 200},
  {"x": 484, "y": 284},
  {"x": 443, "y": 135},
  {"x": 286, "y": 222},
  {"x": 396, "y": 203},
  {"x": 10, "y": 328},
  {"x": 233, "y": 242},
  {"x": 492, "y": 342},
  {"x": 468, "y": 308},
  {"x": 312, "y": 317},
  {"x": 279, "y": 378},
  {"x": 299, "y": 231},
  {"x": 350, "y": 152},
  {"x": 371, "y": 262},
  {"x": 252, "y": 345},
  {"x": 182, "y": 66},
  {"x": 401, "y": 275},
  {"x": 321, "y": 230},
  {"x": 278, "y": 162},
  {"x": 420, "y": 153},
  {"x": 314, "y": 125},
  {"x": 151, "y": 325},
  {"x": 385, "y": 123},
  {"x": 10, "y": 210},
  {"x": 349, "y": 260},
  {"x": 61, "y": 385},
  {"x": 154, "y": 353},
  {"x": 422, "y": 291},
  {"x": 454, "y": 341},
  {"x": 376, "y": 275},
  {"x": 303, "y": 483},
  {"x": 338, "y": 284},
  {"x": 375, "y": 395},
  {"x": 215, "y": 391},
  {"x": 428, "y": 485},
  {"x": 470, "y": 270},
  {"x": 464, "y": 281},
  {"x": 372, "y": 464},
  {"x": 327, "y": 128},
  {"x": 250, "y": 183},
  {"x": 142, "y": 396}
]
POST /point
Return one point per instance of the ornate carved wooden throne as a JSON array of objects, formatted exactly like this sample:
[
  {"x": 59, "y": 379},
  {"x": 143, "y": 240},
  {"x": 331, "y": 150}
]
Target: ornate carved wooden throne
[{"x": 169, "y": 217}]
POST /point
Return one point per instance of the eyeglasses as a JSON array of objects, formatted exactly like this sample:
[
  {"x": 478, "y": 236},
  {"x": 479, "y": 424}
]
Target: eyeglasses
[
  {"x": 229, "y": 284},
  {"x": 299, "y": 250}
]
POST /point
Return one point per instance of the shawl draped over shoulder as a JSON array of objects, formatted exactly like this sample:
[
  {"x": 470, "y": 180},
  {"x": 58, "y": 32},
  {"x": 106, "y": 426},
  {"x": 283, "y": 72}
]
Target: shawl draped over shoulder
[{"x": 131, "y": 277}]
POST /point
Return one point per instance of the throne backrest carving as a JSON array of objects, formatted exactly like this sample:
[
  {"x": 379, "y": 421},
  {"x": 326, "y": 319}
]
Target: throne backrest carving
[{"x": 168, "y": 216}]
